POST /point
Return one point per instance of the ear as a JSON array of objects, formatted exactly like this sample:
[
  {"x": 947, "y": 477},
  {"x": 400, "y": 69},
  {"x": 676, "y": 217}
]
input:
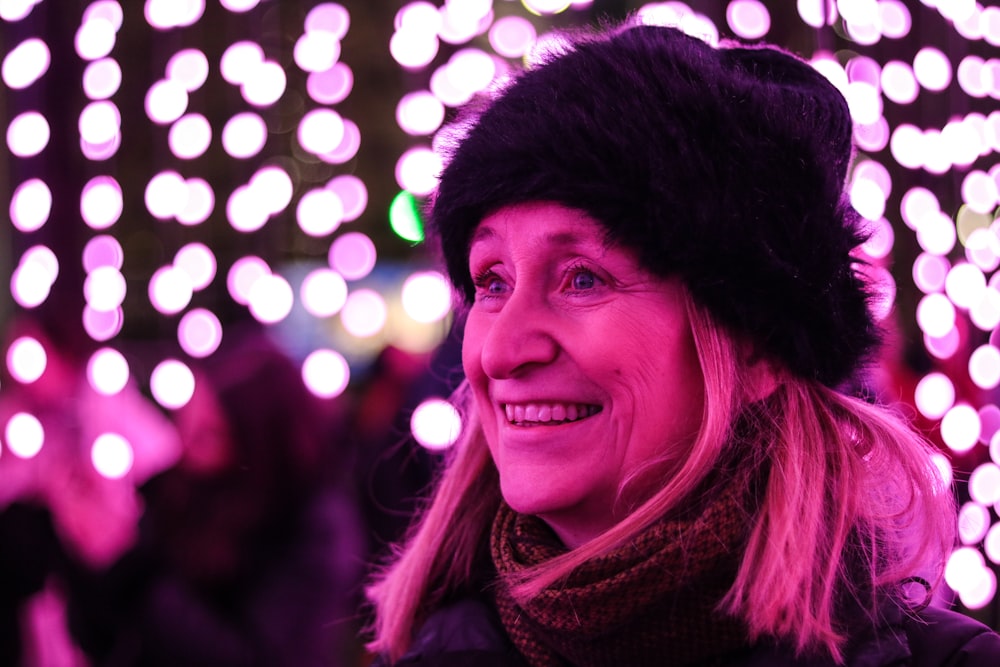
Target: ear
[{"x": 762, "y": 375}]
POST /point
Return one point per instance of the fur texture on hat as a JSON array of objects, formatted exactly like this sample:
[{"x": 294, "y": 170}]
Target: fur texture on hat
[{"x": 724, "y": 166}]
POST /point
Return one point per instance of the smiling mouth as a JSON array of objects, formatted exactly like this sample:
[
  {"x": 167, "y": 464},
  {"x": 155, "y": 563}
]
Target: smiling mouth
[{"x": 547, "y": 414}]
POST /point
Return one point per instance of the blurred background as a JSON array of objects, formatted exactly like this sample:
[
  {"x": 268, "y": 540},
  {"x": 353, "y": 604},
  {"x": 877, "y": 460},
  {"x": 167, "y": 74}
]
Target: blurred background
[{"x": 226, "y": 351}]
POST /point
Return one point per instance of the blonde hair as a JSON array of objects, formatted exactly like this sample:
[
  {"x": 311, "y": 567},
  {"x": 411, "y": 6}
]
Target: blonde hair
[{"x": 844, "y": 476}]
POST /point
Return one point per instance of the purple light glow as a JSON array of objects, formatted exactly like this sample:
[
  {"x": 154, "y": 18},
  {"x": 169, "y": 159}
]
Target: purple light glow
[
  {"x": 348, "y": 146},
  {"x": 26, "y": 63},
  {"x": 100, "y": 122},
  {"x": 895, "y": 19},
  {"x": 244, "y": 135},
  {"x": 30, "y": 205},
  {"x": 112, "y": 456},
  {"x": 934, "y": 395},
  {"x": 102, "y": 78},
  {"x": 104, "y": 289},
  {"x": 270, "y": 299},
  {"x": 960, "y": 428},
  {"x": 199, "y": 333},
  {"x": 419, "y": 113},
  {"x": 323, "y": 292},
  {"x": 331, "y": 86},
  {"x": 190, "y": 136},
  {"x": 984, "y": 483},
  {"x": 197, "y": 261},
  {"x": 166, "y": 101},
  {"x": 97, "y": 152},
  {"x": 316, "y": 51},
  {"x": 240, "y": 60},
  {"x": 239, "y": 6},
  {"x": 102, "y": 326},
  {"x": 170, "y": 290},
  {"x": 748, "y": 19},
  {"x": 417, "y": 170},
  {"x": 321, "y": 130},
  {"x": 172, "y": 384},
  {"x": 932, "y": 69},
  {"x": 364, "y": 314},
  {"x": 984, "y": 367},
  {"x": 352, "y": 255},
  {"x": 103, "y": 250},
  {"x": 107, "y": 371},
  {"x": 930, "y": 272},
  {"x": 189, "y": 68},
  {"x": 28, "y": 134},
  {"x": 108, "y": 10},
  {"x": 352, "y": 193},
  {"x": 973, "y": 522},
  {"x": 243, "y": 274},
  {"x": 436, "y": 424},
  {"x": 15, "y": 10},
  {"x": 198, "y": 204},
  {"x": 413, "y": 49},
  {"x": 265, "y": 86},
  {"x": 95, "y": 38},
  {"x": 319, "y": 212},
  {"x": 26, "y": 359},
  {"x": 25, "y": 435},
  {"x": 512, "y": 36},
  {"x": 326, "y": 373},
  {"x": 165, "y": 192},
  {"x": 328, "y": 17},
  {"x": 167, "y": 14},
  {"x": 101, "y": 202},
  {"x": 899, "y": 83}
]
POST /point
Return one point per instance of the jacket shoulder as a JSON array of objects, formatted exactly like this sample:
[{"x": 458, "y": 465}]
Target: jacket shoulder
[
  {"x": 944, "y": 638},
  {"x": 466, "y": 633}
]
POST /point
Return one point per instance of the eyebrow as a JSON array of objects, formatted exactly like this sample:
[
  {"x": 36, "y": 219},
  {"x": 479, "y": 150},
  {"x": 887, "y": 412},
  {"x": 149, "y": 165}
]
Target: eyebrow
[{"x": 566, "y": 238}]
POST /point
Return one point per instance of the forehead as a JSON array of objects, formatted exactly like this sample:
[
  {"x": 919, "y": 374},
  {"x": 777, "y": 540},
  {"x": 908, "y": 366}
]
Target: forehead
[{"x": 549, "y": 224}]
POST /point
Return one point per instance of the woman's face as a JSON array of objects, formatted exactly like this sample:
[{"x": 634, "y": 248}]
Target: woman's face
[{"x": 582, "y": 366}]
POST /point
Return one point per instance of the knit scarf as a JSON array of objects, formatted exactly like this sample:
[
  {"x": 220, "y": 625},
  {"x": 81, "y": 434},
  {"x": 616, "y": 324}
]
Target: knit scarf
[{"x": 650, "y": 602}]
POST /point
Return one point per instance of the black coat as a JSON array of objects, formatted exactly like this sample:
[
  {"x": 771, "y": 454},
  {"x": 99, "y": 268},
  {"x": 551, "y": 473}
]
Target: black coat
[{"x": 469, "y": 634}]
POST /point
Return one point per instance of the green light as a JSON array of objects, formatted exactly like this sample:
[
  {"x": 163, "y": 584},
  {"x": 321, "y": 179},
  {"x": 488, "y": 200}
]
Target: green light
[{"x": 404, "y": 217}]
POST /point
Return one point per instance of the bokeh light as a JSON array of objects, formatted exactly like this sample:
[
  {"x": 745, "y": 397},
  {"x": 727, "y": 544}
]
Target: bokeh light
[
  {"x": 436, "y": 424},
  {"x": 25, "y": 435},
  {"x": 112, "y": 455}
]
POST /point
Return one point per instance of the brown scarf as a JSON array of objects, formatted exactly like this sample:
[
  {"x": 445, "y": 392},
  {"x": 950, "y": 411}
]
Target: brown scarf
[{"x": 651, "y": 602}]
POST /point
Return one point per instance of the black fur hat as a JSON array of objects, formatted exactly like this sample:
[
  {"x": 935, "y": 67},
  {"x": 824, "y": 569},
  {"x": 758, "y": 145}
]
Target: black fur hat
[{"x": 724, "y": 166}]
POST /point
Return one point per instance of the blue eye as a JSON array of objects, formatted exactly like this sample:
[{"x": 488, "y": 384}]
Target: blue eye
[
  {"x": 583, "y": 279},
  {"x": 489, "y": 284}
]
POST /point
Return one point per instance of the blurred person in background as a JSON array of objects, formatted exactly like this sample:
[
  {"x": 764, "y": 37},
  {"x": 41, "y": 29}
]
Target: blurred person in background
[{"x": 247, "y": 554}]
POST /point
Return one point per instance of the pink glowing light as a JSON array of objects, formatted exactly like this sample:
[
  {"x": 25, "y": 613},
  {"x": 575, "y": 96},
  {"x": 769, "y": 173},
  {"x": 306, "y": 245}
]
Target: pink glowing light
[
  {"x": 243, "y": 274},
  {"x": 15, "y": 10},
  {"x": 95, "y": 38},
  {"x": 348, "y": 146},
  {"x": 352, "y": 255},
  {"x": 104, "y": 288},
  {"x": 189, "y": 68},
  {"x": 170, "y": 290},
  {"x": 30, "y": 284},
  {"x": 965, "y": 284},
  {"x": 895, "y": 19},
  {"x": 316, "y": 51},
  {"x": 103, "y": 325},
  {"x": 102, "y": 78},
  {"x": 30, "y": 205},
  {"x": 25, "y": 435},
  {"x": 435, "y": 424},
  {"x": 419, "y": 113},
  {"x": 980, "y": 191},
  {"x": 28, "y": 134},
  {"x": 172, "y": 384},
  {"x": 748, "y": 19},
  {"x": 319, "y": 212},
  {"x": 943, "y": 347},
  {"x": 330, "y": 86},
  {"x": 265, "y": 86},
  {"x": 103, "y": 250},
  {"x": 165, "y": 192},
  {"x": 100, "y": 122},
  {"x": 352, "y": 193},
  {"x": 108, "y": 10},
  {"x": 190, "y": 136},
  {"x": 26, "y": 359},
  {"x": 270, "y": 299},
  {"x": 25, "y": 63},
  {"x": 364, "y": 314},
  {"x": 323, "y": 292},
  {"x": 167, "y": 14},
  {"x": 197, "y": 261},
  {"x": 101, "y": 202},
  {"x": 973, "y": 522},
  {"x": 512, "y": 36},
  {"x": 108, "y": 371},
  {"x": 198, "y": 202},
  {"x": 417, "y": 170},
  {"x": 413, "y": 49},
  {"x": 326, "y": 373},
  {"x": 426, "y": 297},
  {"x": 240, "y": 60},
  {"x": 879, "y": 243},
  {"x": 935, "y": 315},
  {"x": 930, "y": 272},
  {"x": 899, "y": 83},
  {"x": 984, "y": 483},
  {"x": 244, "y": 135},
  {"x": 166, "y": 101},
  {"x": 321, "y": 130},
  {"x": 329, "y": 17},
  {"x": 103, "y": 151},
  {"x": 932, "y": 68},
  {"x": 112, "y": 456},
  {"x": 239, "y": 6},
  {"x": 984, "y": 367},
  {"x": 199, "y": 333}
]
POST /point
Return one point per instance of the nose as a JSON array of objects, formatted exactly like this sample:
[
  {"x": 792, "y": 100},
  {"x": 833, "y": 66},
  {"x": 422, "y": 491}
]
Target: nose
[{"x": 521, "y": 336}]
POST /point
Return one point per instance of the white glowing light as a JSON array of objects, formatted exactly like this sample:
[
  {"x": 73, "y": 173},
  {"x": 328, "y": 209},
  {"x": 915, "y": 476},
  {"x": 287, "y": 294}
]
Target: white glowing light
[
  {"x": 270, "y": 299},
  {"x": 984, "y": 366},
  {"x": 991, "y": 543},
  {"x": 30, "y": 205},
  {"x": 197, "y": 261},
  {"x": 102, "y": 78},
  {"x": 243, "y": 274},
  {"x": 166, "y": 101},
  {"x": 112, "y": 455},
  {"x": 240, "y": 60},
  {"x": 352, "y": 193},
  {"x": 274, "y": 188},
  {"x": 352, "y": 255},
  {"x": 364, "y": 314},
  {"x": 102, "y": 325},
  {"x": 190, "y": 136},
  {"x": 413, "y": 49},
  {"x": 239, "y": 6},
  {"x": 99, "y": 122},
  {"x": 25, "y": 63},
  {"x": 28, "y": 134},
  {"x": 25, "y": 435},
  {"x": 95, "y": 38},
  {"x": 101, "y": 202},
  {"x": 973, "y": 522},
  {"x": 198, "y": 202},
  {"x": 164, "y": 193},
  {"x": 244, "y": 210},
  {"x": 512, "y": 36},
  {"x": 170, "y": 290},
  {"x": 107, "y": 371},
  {"x": 980, "y": 191},
  {"x": 436, "y": 424},
  {"x": 319, "y": 212},
  {"x": 984, "y": 483},
  {"x": 932, "y": 68},
  {"x": 244, "y": 135},
  {"x": 316, "y": 51},
  {"x": 323, "y": 292},
  {"x": 418, "y": 169},
  {"x": 199, "y": 332},
  {"x": 426, "y": 296},
  {"x": 331, "y": 86},
  {"x": 326, "y": 373},
  {"x": 189, "y": 68},
  {"x": 103, "y": 250},
  {"x": 328, "y": 17},
  {"x": 935, "y": 315},
  {"x": 30, "y": 285},
  {"x": 965, "y": 284},
  {"x": 26, "y": 359},
  {"x": 172, "y": 383},
  {"x": 265, "y": 86},
  {"x": 960, "y": 428},
  {"x": 985, "y": 313},
  {"x": 104, "y": 288},
  {"x": 321, "y": 130},
  {"x": 419, "y": 113},
  {"x": 936, "y": 233}
]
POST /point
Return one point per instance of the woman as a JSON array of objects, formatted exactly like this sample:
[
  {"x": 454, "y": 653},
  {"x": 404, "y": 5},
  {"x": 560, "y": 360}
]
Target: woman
[{"x": 659, "y": 465}]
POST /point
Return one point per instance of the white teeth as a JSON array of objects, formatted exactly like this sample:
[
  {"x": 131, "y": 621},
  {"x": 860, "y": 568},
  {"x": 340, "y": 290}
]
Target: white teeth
[{"x": 548, "y": 413}]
